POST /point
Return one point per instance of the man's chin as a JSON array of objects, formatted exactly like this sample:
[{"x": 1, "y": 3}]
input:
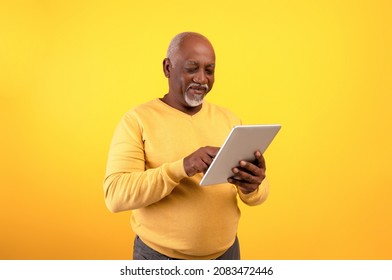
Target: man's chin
[{"x": 194, "y": 100}]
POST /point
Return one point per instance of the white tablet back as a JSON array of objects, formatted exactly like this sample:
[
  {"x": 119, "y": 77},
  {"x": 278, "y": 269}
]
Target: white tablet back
[{"x": 241, "y": 144}]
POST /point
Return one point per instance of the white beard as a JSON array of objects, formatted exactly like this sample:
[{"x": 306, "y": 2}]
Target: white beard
[{"x": 193, "y": 100}]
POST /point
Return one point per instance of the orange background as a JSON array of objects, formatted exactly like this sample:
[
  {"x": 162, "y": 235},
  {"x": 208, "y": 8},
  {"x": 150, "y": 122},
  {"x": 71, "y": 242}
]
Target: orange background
[{"x": 70, "y": 69}]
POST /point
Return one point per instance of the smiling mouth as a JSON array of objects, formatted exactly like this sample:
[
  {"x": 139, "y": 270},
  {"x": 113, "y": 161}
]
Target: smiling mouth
[{"x": 198, "y": 89}]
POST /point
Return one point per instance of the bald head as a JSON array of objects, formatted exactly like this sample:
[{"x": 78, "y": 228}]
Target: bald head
[
  {"x": 177, "y": 42},
  {"x": 189, "y": 67}
]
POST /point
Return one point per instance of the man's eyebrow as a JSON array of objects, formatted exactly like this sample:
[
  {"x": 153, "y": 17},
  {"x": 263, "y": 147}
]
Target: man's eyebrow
[{"x": 191, "y": 62}]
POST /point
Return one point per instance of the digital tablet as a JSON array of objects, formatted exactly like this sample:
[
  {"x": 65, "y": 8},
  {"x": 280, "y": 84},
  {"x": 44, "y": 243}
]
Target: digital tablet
[{"x": 241, "y": 144}]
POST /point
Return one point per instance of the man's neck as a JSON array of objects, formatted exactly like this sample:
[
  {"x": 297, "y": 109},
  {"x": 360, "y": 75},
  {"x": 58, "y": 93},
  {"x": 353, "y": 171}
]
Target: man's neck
[{"x": 169, "y": 100}]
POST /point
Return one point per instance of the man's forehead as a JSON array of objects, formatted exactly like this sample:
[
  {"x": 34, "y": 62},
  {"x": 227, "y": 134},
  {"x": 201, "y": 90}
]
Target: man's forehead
[
  {"x": 193, "y": 51},
  {"x": 191, "y": 42}
]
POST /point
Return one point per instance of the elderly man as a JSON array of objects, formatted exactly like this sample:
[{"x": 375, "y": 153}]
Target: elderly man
[{"x": 159, "y": 153}]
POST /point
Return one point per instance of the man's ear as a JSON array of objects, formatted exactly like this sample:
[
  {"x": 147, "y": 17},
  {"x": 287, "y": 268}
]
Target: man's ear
[{"x": 166, "y": 67}]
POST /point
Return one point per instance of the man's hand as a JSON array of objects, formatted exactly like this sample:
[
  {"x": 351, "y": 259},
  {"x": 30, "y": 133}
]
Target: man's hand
[
  {"x": 249, "y": 175},
  {"x": 200, "y": 160}
]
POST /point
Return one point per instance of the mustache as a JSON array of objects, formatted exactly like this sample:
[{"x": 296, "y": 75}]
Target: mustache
[{"x": 198, "y": 85}]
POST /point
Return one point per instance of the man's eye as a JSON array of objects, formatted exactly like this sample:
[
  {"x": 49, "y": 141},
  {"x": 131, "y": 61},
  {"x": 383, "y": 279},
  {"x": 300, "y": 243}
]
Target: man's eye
[
  {"x": 210, "y": 72},
  {"x": 191, "y": 70}
]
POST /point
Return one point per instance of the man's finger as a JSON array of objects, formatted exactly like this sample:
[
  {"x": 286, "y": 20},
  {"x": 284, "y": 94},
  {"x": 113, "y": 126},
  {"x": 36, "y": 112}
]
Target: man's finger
[{"x": 260, "y": 159}]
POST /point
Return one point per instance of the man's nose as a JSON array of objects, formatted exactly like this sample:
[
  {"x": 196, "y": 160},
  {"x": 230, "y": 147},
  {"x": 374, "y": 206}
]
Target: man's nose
[{"x": 200, "y": 78}]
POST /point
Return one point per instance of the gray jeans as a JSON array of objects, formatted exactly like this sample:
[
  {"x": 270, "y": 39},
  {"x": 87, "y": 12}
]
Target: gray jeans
[{"x": 143, "y": 252}]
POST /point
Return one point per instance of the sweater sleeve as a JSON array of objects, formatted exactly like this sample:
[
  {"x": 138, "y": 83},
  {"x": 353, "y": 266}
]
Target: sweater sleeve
[
  {"x": 128, "y": 185},
  {"x": 258, "y": 196}
]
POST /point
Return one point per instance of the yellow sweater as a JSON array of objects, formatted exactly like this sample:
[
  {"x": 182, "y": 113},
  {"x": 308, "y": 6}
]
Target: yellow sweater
[{"x": 171, "y": 212}]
